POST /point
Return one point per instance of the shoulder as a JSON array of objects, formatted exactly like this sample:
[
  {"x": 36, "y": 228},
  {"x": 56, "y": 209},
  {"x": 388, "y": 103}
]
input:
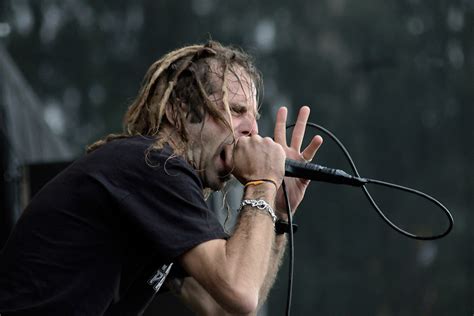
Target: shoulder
[
  {"x": 137, "y": 151},
  {"x": 135, "y": 160}
]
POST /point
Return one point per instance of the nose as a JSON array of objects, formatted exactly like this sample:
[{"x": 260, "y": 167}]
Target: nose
[{"x": 248, "y": 126}]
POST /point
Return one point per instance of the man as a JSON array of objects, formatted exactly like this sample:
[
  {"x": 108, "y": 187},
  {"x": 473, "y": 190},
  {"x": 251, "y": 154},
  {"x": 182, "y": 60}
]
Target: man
[{"x": 101, "y": 238}]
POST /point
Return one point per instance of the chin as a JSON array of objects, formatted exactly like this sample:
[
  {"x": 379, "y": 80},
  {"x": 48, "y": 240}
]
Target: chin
[
  {"x": 218, "y": 184},
  {"x": 213, "y": 184}
]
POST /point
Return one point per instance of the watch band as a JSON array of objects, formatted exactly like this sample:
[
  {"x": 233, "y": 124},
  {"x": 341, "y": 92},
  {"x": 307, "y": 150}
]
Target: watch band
[{"x": 282, "y": 227}]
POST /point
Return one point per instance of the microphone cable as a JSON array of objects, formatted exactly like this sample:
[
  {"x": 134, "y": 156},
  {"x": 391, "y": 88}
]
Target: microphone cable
[
  {"x": 372, "y": 202},
  {"x": 292, "y": 250}
]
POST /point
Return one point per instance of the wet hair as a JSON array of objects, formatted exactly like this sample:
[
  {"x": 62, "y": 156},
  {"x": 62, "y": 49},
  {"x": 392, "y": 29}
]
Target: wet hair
[{"x": 176, "y": 90}]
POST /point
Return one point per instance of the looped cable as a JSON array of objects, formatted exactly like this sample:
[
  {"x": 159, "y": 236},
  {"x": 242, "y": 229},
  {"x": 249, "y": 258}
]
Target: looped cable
[{"x": 391, "y": 185}]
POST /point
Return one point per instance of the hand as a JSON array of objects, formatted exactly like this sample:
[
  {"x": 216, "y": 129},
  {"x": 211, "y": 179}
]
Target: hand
[
  {"x": 295, "y": 187},
  {"x": 257, "y": 158}
]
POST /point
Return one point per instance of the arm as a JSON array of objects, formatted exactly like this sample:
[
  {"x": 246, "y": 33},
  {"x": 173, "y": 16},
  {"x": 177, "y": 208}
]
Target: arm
[
  {"x": 233, "y": 271},
  {"x": 239, "y": 273},
  {"x": 193, "y": 295},
  {"x": 196, "y": 298},
  {"x": 278, "y": 251}
]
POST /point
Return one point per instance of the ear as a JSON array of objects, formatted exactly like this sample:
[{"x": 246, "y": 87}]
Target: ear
[
  {"x": 170, "y": 111},
  {"x": 173, "y": 113}
]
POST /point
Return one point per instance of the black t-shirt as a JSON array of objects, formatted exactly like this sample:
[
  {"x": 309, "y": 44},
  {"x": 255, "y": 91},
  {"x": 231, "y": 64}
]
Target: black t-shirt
[{"x": 101, "y": 236}]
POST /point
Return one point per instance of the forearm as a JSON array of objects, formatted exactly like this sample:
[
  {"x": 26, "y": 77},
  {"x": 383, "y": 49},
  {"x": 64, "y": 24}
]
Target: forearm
[
  {"x": 233, "y": 271},
  {"x": 251, "y": 245},
  {"x": 202, "y": 303},
  {"x": 274, "y": 263},
  {"x": 276, "y": 259}
]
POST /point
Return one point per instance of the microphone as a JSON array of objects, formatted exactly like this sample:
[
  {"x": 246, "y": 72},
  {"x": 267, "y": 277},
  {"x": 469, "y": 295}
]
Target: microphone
[{"x": 311, "y": 171}]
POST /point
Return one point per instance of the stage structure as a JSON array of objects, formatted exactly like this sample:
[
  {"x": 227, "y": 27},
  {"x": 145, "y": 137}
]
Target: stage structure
[{"x": 25, "y": 139}]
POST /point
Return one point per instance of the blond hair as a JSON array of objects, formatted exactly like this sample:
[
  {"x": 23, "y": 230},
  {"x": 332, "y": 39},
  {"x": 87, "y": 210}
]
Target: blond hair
[{"x": 181, "y": 83}]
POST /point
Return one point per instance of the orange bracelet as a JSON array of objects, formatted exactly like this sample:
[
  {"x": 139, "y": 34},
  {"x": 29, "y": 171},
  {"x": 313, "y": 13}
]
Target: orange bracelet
[{"x": 257, "y": 182}]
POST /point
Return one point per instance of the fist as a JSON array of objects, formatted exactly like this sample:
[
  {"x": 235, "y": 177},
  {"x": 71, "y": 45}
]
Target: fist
[{"x": 257, "y": 158}]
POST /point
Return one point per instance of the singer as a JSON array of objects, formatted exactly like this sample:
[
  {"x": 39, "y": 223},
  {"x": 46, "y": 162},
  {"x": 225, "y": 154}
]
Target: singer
[{"x": 129, "y": 218}]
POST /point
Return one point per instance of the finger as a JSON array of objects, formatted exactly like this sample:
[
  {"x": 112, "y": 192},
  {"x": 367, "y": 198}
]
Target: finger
[
  {"x": 280, "y": 126},
  {"x": 300, "y": 127},
  {"x": 311, "y": 150}
]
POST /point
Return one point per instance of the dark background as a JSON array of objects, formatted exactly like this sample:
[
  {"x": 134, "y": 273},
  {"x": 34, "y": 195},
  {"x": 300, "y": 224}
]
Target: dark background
[{"x": 393, "y": 79}]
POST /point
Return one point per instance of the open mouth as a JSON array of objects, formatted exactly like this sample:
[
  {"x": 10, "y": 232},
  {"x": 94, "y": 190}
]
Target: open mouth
[{"x": 225, "y": 155}]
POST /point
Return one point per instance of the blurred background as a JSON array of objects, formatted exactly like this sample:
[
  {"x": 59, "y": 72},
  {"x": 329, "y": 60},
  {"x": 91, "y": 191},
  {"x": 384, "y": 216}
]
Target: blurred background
[{"x": 392, "y": 79}]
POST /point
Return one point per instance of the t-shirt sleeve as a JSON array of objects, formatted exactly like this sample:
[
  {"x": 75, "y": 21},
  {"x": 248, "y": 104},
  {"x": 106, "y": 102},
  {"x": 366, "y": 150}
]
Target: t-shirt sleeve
[{"x": 163, "y": 199}]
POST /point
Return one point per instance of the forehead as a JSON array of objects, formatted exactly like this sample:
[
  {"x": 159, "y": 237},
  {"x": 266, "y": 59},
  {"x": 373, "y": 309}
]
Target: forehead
[{"x": 239, "y": 85}]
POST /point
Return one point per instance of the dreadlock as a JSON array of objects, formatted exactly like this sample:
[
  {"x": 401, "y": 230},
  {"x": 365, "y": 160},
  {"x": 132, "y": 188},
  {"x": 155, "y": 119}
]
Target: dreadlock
[{"x": 181, "y": 82}]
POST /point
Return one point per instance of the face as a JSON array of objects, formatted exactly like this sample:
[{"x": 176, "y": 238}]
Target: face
[{"x": 212, "y": 149}]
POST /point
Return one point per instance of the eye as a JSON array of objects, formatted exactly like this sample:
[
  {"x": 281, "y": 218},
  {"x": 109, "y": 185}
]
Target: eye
[{"x": 238, "y": 110}]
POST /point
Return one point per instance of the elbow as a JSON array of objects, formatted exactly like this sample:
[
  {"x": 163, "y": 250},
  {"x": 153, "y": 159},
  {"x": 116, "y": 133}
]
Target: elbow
[
  {"x": 241, "y": 301},
  {"x": 246, "y": 302}
]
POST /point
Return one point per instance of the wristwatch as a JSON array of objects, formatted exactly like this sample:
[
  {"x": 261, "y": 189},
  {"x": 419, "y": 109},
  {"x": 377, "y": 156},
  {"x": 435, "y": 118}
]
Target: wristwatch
[{"x": 282, "y": 227}]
